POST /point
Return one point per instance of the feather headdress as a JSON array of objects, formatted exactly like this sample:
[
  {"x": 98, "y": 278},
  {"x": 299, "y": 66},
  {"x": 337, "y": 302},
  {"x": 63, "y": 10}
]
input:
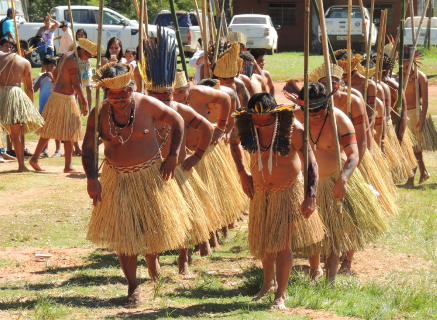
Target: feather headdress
[
  {"x": 418, "y": 56},
  {"x": 320, "y": 72},
  {"x": 223, "y": 46},
  {"x": 343, "y": 61}
]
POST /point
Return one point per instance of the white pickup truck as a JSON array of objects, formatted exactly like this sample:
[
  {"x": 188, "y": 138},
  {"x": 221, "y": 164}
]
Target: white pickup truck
[
  {"x": 336, "y": 18},
  {"x": 86, "y": 17},
  {"x": 408, "y": 38}
]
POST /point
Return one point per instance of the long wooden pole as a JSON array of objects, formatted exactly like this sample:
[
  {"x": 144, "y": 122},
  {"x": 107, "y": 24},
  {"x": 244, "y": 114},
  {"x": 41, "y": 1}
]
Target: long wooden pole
[
  {"x": 178, "y": 37},
  {"x": 318, "y": 13},
  {"x": 217, "y": 39},
  {"x": 329, "y": 84},
  {"x": 416, "y": 79},
  {"x": 205, "y": 41},
  {"x": 395, "y": 48},
  {"x": 401, "y": 65},
  {"x": 349, "y": 64},
  {"x": 381, "y": 49},
  {"x": 97, "y": 105},
  {"x": 199, "y": 20},
  {"x": 306, "y": 93},
  {"x": 146, "y": 19},
  {"x": 17, "y": 37},
  {"x": 380, "y": 43},
  {"x": 137, "y": 9},
  {"x": 363, "y": 17},
  {"x": 369, "y": 45},
  {"x": 211, "y": 21},
  {"x": 141, "y": 36}
]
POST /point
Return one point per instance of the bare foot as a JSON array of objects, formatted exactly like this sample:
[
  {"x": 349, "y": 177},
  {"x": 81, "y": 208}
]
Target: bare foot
[
  {"x": 225, "y": 232},
  {"x": 213, "y": 242},
  {"x": 183, "y": 265},
  {"x": 71, "y": 170},
  {"x": 264, "y": 292},
  {"x": 409, "y": 184},
  {"x": 154, "y": 270},
  {"x": 424, "y": 177},
  {"x": 205, "y": 249},
  {"x": 345, "y": 268},
  {"x": 35, "y": 165},
  {"x": 133, "y": 297},
  {"x": 23, "y": 169},
  {"x": 233, "y": 225},
  {"x": 246, "y": 213},
  {"x": 316, "y": 274},
  {"x": 196, "y": 249},
  {"x": 278, "y": 304}
]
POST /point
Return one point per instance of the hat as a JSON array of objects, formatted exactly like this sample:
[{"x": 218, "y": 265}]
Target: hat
[
  {"x": 181, "y": 80},
  {"x": 227, "y": 65},
  {"x": 63, "y": 24},
  {"x": 237, "y": 36},
  {"x": 158, "y": 64},
  {"x": 89, "y": 46},
  {"x": 320, "y": 72},
  {"x": 112, "y": 83},
  {"x": 10, "y": 11},
  {"x": 362, "y": 70},
  {"x": 223, "y": 45},
  {"x": 344, "y": 62}
]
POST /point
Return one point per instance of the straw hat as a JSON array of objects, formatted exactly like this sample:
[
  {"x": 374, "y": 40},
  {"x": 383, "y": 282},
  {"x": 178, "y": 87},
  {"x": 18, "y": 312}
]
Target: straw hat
[
  {"x": 237, "y": 36},
  {"x": 181, "y": 80},
  {"x": 344, "y": 63},
  {"x": 87, "y": 45},
  {"x": 112, "y": 83},
  {"x": 320, "y": 72},
  {"x": 362, "y": 70},
  {"x": 227, "y": 65}
]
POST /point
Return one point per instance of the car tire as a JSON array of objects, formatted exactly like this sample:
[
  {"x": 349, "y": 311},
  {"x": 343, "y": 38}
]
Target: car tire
[
  {"x": 34, "y": 59},
  {"x": 271, "y": 51}
]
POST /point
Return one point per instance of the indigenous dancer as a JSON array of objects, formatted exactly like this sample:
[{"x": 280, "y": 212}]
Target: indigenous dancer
[
  {"x": 282, "y": 217},
  {"x": 18, "y": 115},
  {"x": 61, "y": 114},
  {"x": 159, "y": 75},
  {"x": 259, "y": 54},
  {"x": 420, "y": 121},
  {"x": 236, "y": 36},
  {"x": 254, "y": 82},
  {"x": 138, "y": 206},
  {"x": 361, "y": 219}
]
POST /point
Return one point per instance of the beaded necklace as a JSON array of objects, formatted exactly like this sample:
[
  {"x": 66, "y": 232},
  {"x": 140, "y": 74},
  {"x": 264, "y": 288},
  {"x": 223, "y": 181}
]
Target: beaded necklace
[{"x": 120, "y": 126}]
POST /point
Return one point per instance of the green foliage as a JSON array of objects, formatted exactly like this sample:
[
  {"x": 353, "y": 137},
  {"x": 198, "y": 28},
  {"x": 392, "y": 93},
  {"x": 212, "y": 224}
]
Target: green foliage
[{"x": 38, "y": 8}]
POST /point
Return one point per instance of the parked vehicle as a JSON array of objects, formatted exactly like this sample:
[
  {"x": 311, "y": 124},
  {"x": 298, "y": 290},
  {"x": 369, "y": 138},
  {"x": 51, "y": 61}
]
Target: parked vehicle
[
  {"x": 259, "y": 29},
  {"x": 19, "y": 15},
  {"x": 408, "y": 37},
  {"x": 189, "y": 29},
  {"x": 336, "y": 18},
  {"x": 86, "y": 17}
]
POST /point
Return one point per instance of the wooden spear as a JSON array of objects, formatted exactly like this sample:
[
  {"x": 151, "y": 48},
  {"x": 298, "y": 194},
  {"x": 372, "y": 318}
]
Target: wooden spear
[
  {"x": 141, "y": 36},
  {"x": 17, "y": 38},
  {"x": 306, "y": 125},
  {"x": 211, "y": 21},
  {"x": 363, "y": 23},
  {"x": 369, "y": 45},
  {"x": 217, "y": 12},
  {"x": 349, "y": 65},
  {"x": 416, "y": 78},
  {"x": 401, "y": 65},
  {"x": 178, "y": 37},
  {"x": 138, "y": 14},
  {"x": 317, "y": 10},
  {"x": 380, "y": 43},
  {"x": 395, "y": 47},
  {"x": 199, "y": 20},
  {"x": 97, "y": 106},
  {"x": 206, "y": 70},
  {"x": 416, "y": 40},
  {"x": 217, "y": 39},
  {"x": 381, "y": 49},
  {"x": 146, "y": 19},
  {"x": 329, "y": 84}
]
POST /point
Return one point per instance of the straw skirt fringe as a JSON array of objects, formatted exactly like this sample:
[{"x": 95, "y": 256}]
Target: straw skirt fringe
[
  {"x": 425, "y": 140},
  {"x": 360, "y": 221},
  {"x": 202, "y": 214},
  {"x": 1, "y": 137},
  {"x": 140, "y": 213},
  {"x": 383, "y": 166},
  {"x": 62, "y": 118},
  {"x": 224, "y": 186},
  {"x": 276, "y": 222},
  {"x": 374, "y": 178},
  {"x": 17, "y": 108},
  {"x": 407, "y": 149},
  {"x": 405, "y": 170}
]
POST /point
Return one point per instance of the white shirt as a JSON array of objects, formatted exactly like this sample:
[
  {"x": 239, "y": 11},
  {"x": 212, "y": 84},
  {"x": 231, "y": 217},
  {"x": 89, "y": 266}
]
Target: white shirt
[
  {"x": 193, "y": 63},
  {"x": 66, "y": 40}
]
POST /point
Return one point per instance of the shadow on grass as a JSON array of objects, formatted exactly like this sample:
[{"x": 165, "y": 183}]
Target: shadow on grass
[{"x": 204, "y": 310}]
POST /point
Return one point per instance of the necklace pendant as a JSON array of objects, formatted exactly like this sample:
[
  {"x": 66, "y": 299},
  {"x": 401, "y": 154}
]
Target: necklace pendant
[
  {"x": 315, "y": 147},
  {"x": 121, "y": 140}
]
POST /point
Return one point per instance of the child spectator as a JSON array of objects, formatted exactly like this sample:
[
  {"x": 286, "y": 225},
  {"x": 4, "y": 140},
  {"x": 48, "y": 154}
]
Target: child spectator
[{"x": 131, "y": 57}]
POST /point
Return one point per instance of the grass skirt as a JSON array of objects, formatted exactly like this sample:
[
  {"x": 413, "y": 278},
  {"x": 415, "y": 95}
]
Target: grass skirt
[
  {"x": 383, "y": 166},
  {"x": 202, "y": 214},
  {"x": 222, "y": 183},
  {"x": 425, "y": 140},
  {"x": 62, "y": 118},
  {"x": 140, "y": 213},
  {"x": 374, "y": 178},
  {"x": 407, "y": 150},
  {"x": 276, "y": 222},
  {"x": 361, "y": 220},
  {"x": 404, "y": 170},
  {"x": 1, "y": 137},
  {"x": 17, "y": 108}
]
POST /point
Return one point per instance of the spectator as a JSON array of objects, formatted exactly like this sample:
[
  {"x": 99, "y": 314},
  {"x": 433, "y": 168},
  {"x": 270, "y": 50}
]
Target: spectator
[
  {"x": 46, "y": 33},
  {"x": 45, "y": 83},
  {"x": 81, "y": 33},
  {"x": 131, "y": 57},
  {"x": 66, "y": 38},
  {"x": 8, "y": 28},
  {"x": 198, "y": 61},
  {"x": 114, "y": 52},
  {"x": 6, "y": 45}
]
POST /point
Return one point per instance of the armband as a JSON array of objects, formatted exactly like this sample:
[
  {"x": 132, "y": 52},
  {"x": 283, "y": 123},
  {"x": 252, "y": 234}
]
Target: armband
[
  {"x": 216, "y": 98},
  {"x": 371, "y": 99},
  {"x": 221, "y": 123},
  {"x": 199, "y": 153},
  {"x": 73, "y": 71},
  {"x": 196, "y": 121},
  {"x": 379, "y": 121},
  {"x": 348, "y": 139},
  {"x": 359, "y": 120}
]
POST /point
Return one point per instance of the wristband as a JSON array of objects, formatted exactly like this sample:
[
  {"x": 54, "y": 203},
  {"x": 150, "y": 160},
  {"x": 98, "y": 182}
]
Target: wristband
[
  {"x": 199, "y": 153},
  {"x": 221, "y": 123},
  {"x": 218, "y": 127}
]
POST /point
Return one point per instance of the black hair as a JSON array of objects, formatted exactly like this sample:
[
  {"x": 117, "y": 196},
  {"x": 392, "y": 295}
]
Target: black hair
[
  {"x": 48, "y": 59},
  {"x": 208, "y": 82},
  {"x": 316, "y": 91},
  {"x": 364, "y": 63},
  {"x": 110, "y": 43},
  {"x": 246, "y": 56},
  {"x": 267, "y": 100},
  {"x": 341, "y": 55},
  {"x": 116, "y": 71},
  {"x": 23, "y": 45},
  {"x": 84, "y": 32},
  {"x": 258, "y": 53},
  {"x": 131, "y": 50},
  {"x": 6, "y": 40}
]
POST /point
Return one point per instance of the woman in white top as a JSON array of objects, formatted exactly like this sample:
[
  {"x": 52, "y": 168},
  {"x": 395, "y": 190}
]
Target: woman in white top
[{"x": 47, "y": 33}]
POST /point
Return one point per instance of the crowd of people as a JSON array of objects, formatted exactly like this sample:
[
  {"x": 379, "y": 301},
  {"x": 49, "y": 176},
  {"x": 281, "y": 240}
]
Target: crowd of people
[{"x": 184, "y": 161}]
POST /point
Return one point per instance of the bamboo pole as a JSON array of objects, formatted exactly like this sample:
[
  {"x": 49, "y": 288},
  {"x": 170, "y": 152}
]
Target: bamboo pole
[
  {"x": 401, "y": 65},
  {"x": 413, "y": 50},
  {"x": 316, "y": 9},
  {"x": 306, "y": 125},
  {"x": 217, "y": 39},
  {"x": 199, "y": 20},
  {"x": 428, "y": 27},
  {"x": 206, "y": 70},
  {"x": 416, "y": 79},
  {"x": 349, "y": 53},
  {"x": 17, "y": 38},
  {"x": 141, "y": 37},
  {"x": 217, "y": 12},
  {"x": 97, "y": 106},
  {"x": 369, "y": 45},
  {"x": 139, "y": 22},
  {"x": 178, "y": 37},
  {"x": 395, "y": 48},
  {"x": 381, "y": 49},
  {"x": 363, "y": 23},
  {"x": 329, "y": 84},
  {"x": 212, "y": 28},
  {"x": 146, "y": 19},
  {"x": 380, "y": 43}
]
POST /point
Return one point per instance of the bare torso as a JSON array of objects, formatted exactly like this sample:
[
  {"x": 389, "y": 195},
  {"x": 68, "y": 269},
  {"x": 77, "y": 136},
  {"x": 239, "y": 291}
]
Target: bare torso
[
  {"x": 67, "y": 64},
  {"x": 13, "y": 68}
]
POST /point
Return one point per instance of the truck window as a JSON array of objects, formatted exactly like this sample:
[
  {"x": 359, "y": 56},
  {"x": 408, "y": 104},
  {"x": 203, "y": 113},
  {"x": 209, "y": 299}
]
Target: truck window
[
  {"x": 249, "y": 20},
  {"x": 165, "y": 20},
  {"x": 79, "y": 16},
  {"x": 194, "y": 21},
  {"x": 110, "y": 18},
  {"x": 341, "y": 13}
]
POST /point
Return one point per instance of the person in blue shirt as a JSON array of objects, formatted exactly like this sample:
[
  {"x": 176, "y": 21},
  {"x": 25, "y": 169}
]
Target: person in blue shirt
[{"x": 8, "y": 25}]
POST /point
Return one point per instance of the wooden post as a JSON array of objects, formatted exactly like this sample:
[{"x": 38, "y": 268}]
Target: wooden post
[
  {"x": 17, "y": 38},
  {"x": 401, "y": 64},
  {"x": 381, "y": 37},
  {"x": 349, "y": 54},
  {"x": 199, "y": 20},
  {"x": 97, "y": 106},
  {"x": 178, "y": 37},
  {"x": 306, "y": 124},
  {"x": 206, "y": 70},
  {"x": 369, "y": 45},
  {"x": 146, "y": 19},
  {"x": 217, "y": 39},
  {"x": 363, "y": 23},
  {"x": 329, "y": 84},
  {"x": 381, "y": 49},
  {"x": 141, "y": 37},
  {"x": 211, "y": 21},
  {"x": 140, "y": 27},
  {"x": 316, "y": 9},
  {"x": 430, "y": 9}
]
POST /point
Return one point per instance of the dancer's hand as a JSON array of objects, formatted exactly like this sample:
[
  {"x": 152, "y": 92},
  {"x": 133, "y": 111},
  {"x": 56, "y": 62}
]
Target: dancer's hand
[
  {"x": 340, "y": 189},
  {"x": 308, "y": 207},
  {"x": 94, "y": 190},
  {"x": 189, "y": 162},
  {"x": 217, "y": 134},
  {"x": 168, "y": 167},
  {"x": 247, "y": 183},
  {"x": 84, "y": 107},
  {"x": 420, "y": 124}
]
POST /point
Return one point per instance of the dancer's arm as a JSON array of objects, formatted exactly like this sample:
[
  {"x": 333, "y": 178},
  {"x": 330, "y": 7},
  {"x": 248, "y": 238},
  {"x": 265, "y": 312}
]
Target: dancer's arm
[{"x": 237, "y": 155}]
